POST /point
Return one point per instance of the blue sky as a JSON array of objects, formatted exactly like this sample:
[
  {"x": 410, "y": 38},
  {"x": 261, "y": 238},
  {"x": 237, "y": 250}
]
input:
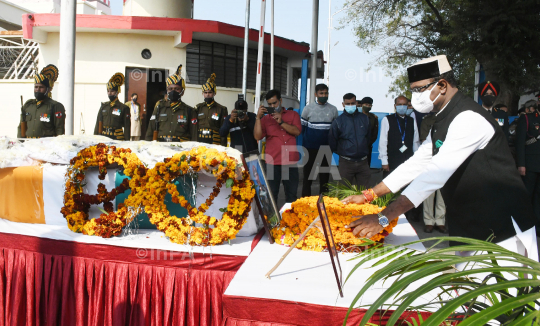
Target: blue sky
[{"x": 293, "y": 21}]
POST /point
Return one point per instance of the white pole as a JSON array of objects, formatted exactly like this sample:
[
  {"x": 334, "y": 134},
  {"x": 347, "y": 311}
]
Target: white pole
[
  {"x": 272, "y": 45},
  {"x": 246, "y": 45},
  {"x": 314, "y": 36},
  {"x": 260, "y": 58},
  {"x": 66, "y": 60},
  {"x": 329, "y": 40}
]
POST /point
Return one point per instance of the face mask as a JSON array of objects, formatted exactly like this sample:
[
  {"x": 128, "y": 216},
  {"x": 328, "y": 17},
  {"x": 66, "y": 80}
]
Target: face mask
[
  {"x": 173, "y": 96},
  {"x": 350, "y": 109},
  {"x": 401, "y": 109},
  {"x": 112, "y": 97},
  {"x": 209, "y": 100},
  {"x": 40, "y": 96},
  {"x": 135, "y": 100},
  {"x": 366, "y": 108},
  {"x": 322, "y": 100},
  {"x": 488, "y": 100},
  {"x": 409, "y": 112},
  {"x": 422, "y": 101}
]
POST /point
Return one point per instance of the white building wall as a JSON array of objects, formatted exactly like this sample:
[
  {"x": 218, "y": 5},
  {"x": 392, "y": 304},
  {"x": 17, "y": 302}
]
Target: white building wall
[
  {"x": 98, "y": 57},
  {"x": 10, "y": 92}
]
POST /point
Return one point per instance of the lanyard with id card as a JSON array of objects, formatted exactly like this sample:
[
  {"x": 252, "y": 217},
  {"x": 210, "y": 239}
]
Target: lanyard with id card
[{"x": 402, "y": 133}]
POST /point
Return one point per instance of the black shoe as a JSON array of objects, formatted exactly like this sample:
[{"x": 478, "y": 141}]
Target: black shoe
[
  {"x": 428, "y": 229},
  {"x": 442, "y": 229}
]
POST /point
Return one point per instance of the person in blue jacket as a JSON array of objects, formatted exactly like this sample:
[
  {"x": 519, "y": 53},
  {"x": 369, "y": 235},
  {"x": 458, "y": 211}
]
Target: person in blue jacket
[{"x": 349, "y": 138}]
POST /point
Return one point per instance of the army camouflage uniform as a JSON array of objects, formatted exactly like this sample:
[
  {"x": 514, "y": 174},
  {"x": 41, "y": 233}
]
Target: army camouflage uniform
[
  {"x": 114, "y": 118},
  {"x": 44, "y": 119},
  {"x": 174, "y": 123},
  {"x": 206, "y": 122}
]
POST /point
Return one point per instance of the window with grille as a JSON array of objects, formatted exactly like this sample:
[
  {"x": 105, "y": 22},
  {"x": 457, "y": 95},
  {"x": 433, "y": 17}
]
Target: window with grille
[{"x": 226, "y": 61}]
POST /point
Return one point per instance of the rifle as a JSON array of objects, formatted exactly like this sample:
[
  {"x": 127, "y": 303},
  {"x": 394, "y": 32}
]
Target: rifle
[
  {"x": 23, "y": 120},
  {"x": 156, "y": 130}
]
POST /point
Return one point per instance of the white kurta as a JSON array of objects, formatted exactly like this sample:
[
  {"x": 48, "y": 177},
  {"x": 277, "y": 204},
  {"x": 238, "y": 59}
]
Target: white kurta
[
  {"x": 426, "y": 173},
  {"x": 383, "y": 140},
  {"x": 135, "y": 119}
]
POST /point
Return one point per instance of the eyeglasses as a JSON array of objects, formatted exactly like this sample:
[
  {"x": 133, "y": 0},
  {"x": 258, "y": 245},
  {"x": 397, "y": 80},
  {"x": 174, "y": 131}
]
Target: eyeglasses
[{"x": 421, "y": 89}]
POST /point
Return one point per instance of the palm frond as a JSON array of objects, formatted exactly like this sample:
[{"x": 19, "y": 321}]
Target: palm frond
[{"x": 488, "y": 291}]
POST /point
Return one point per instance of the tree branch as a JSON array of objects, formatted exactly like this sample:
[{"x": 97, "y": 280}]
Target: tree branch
[{"x": 436, "y": 12}]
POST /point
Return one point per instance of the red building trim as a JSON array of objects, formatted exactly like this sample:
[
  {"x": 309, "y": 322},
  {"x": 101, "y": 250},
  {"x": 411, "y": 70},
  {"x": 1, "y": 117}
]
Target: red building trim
[{"x": 186, "y": 26}]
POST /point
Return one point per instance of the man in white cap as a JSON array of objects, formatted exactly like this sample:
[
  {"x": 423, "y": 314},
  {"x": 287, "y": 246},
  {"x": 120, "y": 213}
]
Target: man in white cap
[{"x": 466, "y": 156}]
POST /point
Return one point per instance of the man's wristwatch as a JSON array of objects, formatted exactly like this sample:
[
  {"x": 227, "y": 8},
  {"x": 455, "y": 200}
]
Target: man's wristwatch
[
  {"x": 281, "y": 123},
  {"x": 383, "y": 220}
]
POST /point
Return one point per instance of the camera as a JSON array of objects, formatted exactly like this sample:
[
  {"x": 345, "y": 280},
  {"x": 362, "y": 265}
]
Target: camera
[{"x": 241, "y": 114}]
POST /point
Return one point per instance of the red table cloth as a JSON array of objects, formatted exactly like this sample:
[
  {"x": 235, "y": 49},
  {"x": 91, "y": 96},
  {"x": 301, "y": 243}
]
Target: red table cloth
[
  {"x": 245, "y": 311},
  {"x": 54, "y": 282}
]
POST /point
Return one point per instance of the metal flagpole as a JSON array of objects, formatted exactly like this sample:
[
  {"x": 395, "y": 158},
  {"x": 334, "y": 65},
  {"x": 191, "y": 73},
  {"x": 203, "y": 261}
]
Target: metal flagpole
[
  {"x": 272, "y": 44},
  {"x": 329, "y": 40},
  {"x": 66, "y": 60},
  {"x": 260, "y": 58},
  {"x": 246, "y": 47},
  {"x": 314, "y": 37}
]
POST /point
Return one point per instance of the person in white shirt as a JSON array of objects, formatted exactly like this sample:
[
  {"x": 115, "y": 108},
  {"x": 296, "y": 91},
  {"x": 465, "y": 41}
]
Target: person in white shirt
[
  {"x": 466, "y": 156},
  {"x": 399, "y": 137},
  {"x": 135, "y": 110}
]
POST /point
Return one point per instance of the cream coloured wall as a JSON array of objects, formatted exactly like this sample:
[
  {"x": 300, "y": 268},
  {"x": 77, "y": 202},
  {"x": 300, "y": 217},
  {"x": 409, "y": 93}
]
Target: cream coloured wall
[
  {"x": 10, "y": 110},
  {"x": 98, "y": 57}
]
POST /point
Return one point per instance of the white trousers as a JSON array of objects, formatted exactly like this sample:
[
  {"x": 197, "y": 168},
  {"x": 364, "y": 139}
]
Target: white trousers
[{"x": 440, "y": 209}]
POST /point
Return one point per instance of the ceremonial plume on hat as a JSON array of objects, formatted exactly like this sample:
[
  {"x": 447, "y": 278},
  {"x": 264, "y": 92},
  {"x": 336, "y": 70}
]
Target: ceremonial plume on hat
[
  {"x": 210, "y": 84},
  {"x": 428, "y": 68},
  {"x": 177, "y": 79},
  {"x": 48, "y": 76},
  {"x": 116, "y": 81}
]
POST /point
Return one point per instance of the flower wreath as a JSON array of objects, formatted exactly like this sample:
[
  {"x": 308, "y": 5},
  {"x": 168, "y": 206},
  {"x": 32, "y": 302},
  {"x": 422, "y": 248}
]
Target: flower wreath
[
  {"x": 149, "y": 192},
  {"x": 77, "y": 204},
  {"x": 303, "y": 211}
]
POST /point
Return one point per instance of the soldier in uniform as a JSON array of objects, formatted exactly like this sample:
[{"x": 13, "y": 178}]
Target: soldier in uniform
[
  {"x": 528, "y": 154},
  {"x": 365, "y": 106},
  {"x": 488, "y": 92},
  {"x": 209, "y": 116},
  {"x": 171, "y": 117},
  {"x": 114, "y": 114},
  {"x": 44, "y": 117}
]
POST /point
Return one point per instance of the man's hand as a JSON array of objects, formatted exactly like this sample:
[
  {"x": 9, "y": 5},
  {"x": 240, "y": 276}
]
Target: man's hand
[
  {"x": 386, "y": 168},
  {"x": 234, "y": 116},
  {"x": 262, "y": 111},
  {"x": 355, "y": 199},
  {"x": 522, "y": 170},
  {"x": 246, "y": 117},
  {"x": 277, "y": 117},
  {"x": 365, "y": 226}
]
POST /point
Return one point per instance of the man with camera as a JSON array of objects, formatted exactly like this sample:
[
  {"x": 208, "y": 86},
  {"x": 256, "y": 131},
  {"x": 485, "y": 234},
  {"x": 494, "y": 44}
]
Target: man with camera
[
  {"x": 280, "y": 127},
  {"x": 240, "y": 125}
]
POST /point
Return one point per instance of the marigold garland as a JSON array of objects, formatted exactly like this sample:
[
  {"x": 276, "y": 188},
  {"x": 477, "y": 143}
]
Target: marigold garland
[
  {"x": 77, "y": 204},
  {"x": 149, "y": 192},
  {"x": 303, "y": 211}
]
